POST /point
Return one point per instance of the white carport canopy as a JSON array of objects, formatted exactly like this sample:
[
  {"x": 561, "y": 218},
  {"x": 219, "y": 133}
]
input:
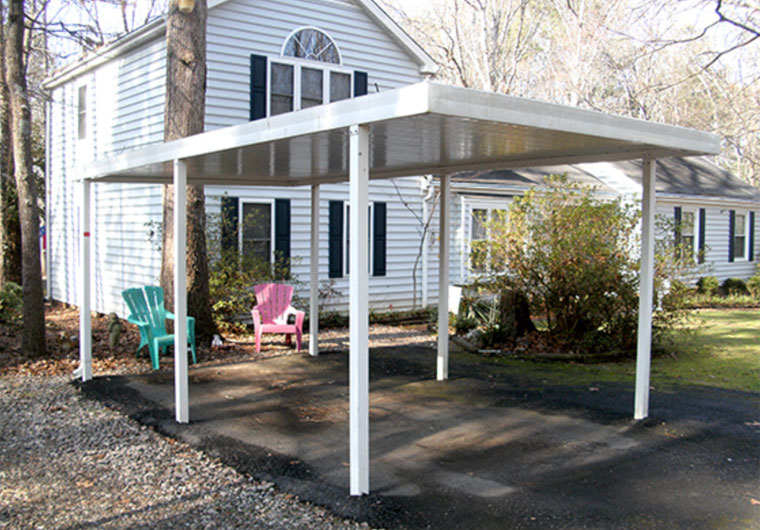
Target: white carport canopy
[{"x": 420, "y": 129}]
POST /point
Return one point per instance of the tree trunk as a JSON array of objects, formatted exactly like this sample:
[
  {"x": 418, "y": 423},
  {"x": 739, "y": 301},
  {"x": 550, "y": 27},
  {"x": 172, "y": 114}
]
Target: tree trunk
[
  {"x": 184, "y": 116},
  {"x": 33, "y": 336},
  {"x": 10, "y": 229},
  {"x": 514, "y": 314}
]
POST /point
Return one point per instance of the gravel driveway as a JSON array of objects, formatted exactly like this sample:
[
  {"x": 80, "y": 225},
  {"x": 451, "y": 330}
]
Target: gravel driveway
[{"x": 67, "y": 462}]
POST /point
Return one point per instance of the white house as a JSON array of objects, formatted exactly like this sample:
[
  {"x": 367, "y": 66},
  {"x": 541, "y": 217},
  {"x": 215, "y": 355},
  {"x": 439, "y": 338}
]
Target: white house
[
  {"x": 264, "y": 57},
  {"x": 267, "y": 57},
  {"x": 717, "y": 212}
]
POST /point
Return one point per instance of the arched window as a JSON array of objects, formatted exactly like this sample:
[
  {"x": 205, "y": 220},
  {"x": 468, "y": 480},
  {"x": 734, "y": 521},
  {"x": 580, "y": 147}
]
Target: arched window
[{"x": 312, "y": 44}]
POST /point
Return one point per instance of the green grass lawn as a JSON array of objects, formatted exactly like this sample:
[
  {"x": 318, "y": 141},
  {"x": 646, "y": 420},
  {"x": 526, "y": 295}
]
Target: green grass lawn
[{"x": 720, "y": 348}]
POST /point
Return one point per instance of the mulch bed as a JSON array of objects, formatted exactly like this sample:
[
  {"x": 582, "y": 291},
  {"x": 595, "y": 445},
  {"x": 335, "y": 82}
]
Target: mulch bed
[{"x": 62, "y": 357}]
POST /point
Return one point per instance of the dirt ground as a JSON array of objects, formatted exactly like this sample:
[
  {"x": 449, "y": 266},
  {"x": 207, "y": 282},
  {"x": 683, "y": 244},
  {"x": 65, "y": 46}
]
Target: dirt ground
[{"x": 62, "y": 323}]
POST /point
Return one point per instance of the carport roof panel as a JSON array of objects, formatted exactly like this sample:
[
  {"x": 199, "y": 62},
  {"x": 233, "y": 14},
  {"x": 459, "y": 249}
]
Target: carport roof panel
[{"x": 419, "y": 129}]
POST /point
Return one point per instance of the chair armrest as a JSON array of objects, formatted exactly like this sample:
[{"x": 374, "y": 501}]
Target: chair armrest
[
  {"x": 137, "y": 322},
  {"x": 256, "y": 317},
  {"x": 300, "y": 315}
]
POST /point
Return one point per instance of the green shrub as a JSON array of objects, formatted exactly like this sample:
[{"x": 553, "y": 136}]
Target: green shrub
[
  {"x": 11, "y": 302},
  {"x": 734, "y": 287},
  {"x": 708, "y": 285},
  {"x": 753, "y": 286},
  {"x": 575, "y": 257},
  {"x": 232, "y": 276}
]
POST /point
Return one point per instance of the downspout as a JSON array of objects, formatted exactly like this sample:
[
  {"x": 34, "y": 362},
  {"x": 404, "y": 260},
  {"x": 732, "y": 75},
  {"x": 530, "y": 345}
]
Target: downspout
[
  {"x": 463, "y": 236},
  {"x": 48, "y": 280},
  {"x": 427, "y": 184}
]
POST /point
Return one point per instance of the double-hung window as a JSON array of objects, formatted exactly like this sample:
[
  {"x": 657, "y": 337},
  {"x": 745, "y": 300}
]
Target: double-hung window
[
  {"x": 307, "y": 73},
  {"x": 479, "y": 219},
  {"x": 256, "y": 230},
  {"x": 82, "y": 112},
  {"x": 741, "y": 235}
]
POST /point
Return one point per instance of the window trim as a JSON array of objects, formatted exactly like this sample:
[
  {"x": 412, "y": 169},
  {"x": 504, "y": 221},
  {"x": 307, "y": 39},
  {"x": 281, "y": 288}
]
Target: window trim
[
  {"x": 745, "y": 249},
  {"x": 297, "y": 64},
  {"x": 470, "y": 208},
  {"x": 695, "y": 229},
  {"x": 81, "y": 96},
  {"x": 292, "y": 34},
  {"x": 241, "y": 222}
]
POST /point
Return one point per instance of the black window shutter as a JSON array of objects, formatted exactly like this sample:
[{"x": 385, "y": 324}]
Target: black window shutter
[
  {"x": 751, "y": 256},
  {"x": 335, "y": 240},
  {"x": 378, "y": 243},
  {"x": 258, "y": 105},
  {"x": 731, "y": 224},
  {"x": 282, "y": 231},
  {"x": 702, "y": 229},
  {"x": 360, "y": 83},
  {"x": 677, "y": 229},
  {"x": 230, "y": 223}
]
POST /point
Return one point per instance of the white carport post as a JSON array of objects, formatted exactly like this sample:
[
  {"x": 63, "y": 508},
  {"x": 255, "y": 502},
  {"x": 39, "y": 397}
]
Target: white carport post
[
  {"x": 442, "y": 366},
  {"x": 646, "y": 291},
  {"x": 85, "y": 322},
  {"x": 181, "y": 394},
  {"x": 358, "y": 371},
  {"x": 314, "y": 274}
]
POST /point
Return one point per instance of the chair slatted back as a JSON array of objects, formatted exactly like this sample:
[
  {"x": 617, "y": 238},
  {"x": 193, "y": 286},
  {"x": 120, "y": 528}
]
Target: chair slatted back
[
  {"x": 272, "y": 300},
  {"x": 148, "y": 305}
]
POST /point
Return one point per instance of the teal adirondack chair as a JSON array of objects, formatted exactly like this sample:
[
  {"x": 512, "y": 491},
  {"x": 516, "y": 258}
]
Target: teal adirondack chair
[{"x": 149, "y": 314}]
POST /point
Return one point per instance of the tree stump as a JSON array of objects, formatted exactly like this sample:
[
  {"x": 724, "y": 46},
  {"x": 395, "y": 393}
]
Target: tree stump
[{"x": 514, "y": 314}]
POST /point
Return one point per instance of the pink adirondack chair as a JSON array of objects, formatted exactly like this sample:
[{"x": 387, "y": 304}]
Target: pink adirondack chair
[{"x": 271, "y": 312}]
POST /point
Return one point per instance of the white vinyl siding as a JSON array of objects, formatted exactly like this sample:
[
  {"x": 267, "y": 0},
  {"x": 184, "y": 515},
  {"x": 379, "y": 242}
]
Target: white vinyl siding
[
  {"x": 124, "y": 110},
  {"x": 239, "y": 28},
  {"x": 716, "y": 237},
  {"x": 395, "y": 288}
]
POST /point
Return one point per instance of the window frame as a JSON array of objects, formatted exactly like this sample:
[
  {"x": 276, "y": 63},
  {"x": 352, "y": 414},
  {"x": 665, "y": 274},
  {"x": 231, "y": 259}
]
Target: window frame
[
  {"x": 81, "y": 97},
  {"x": 695, "y": 229},
  {"x": 241, "y": 216},
  {"x": 298, "y": 64},
  {"x": 745, "y": 235},
  {"x": 302, "y": 28},
  {"x": 470, "y": 209}
]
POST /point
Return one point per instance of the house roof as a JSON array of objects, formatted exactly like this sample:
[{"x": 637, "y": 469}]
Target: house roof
[
  {"x": 693, "y": 177},
  {"x": 156, "y": 28},
  {"x": 416, "y": 130},
  {"x": 522, "y": 179}
]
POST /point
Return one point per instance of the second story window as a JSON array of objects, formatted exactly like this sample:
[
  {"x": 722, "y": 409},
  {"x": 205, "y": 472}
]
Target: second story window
[
  {"x": 312, "y": 44},
  {"x": 308, "y": 73}
]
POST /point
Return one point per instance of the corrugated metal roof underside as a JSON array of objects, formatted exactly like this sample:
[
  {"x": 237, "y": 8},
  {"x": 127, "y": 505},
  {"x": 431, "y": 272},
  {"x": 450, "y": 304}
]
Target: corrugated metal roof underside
[{"x": 421, "y": 129}]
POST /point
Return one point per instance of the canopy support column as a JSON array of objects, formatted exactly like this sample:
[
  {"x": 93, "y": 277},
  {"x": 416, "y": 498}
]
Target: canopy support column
[
  {"x": 646, "y": 291},
  {"x": 314, "y": 274},
  {"x": 85, "y": 321},
  {"x": 181, "y": 393},
  {"x": 359, "y": 309},
  {"x": 442, "y": 367}
]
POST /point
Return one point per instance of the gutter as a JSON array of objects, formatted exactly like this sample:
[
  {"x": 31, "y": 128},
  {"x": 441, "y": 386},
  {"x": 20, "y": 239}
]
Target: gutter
[{"x": 137, "y": 38}]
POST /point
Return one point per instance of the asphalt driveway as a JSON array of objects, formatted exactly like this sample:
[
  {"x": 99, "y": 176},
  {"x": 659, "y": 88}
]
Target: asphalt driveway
[{"x": 482, "y": 450}]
